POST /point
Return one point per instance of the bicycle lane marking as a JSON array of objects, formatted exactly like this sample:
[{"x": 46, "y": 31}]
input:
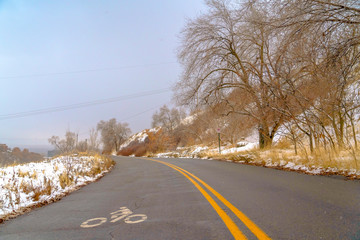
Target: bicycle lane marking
[
  {"x": 122, "y": 213},
  {"x": 246, "y": 220}
]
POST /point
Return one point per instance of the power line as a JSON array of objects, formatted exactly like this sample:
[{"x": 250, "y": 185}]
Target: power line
[
  {"x": 140, "y": 113},
  {"x": 131, "y": 116},
  {"x": 82, "y": 105},
  {"x": 85, "y": 71}
]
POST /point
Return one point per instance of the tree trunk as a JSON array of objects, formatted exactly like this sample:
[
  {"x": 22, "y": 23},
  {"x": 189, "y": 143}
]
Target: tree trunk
[
  {"x": 354, "y": 133},
  {"x": 339, "y": 130},
  {"x": 311, "y": 142},
  {"x": 265, "y": 140}
]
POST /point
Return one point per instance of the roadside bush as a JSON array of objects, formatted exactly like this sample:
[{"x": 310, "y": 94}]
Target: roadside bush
[{"x": 140, "y": 151}]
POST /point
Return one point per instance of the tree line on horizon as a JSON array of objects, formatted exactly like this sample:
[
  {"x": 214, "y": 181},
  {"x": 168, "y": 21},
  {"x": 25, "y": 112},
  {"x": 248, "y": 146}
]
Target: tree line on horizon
[
  {"x": 16, "y": 155},
  {"x": 112, "y": 135}
]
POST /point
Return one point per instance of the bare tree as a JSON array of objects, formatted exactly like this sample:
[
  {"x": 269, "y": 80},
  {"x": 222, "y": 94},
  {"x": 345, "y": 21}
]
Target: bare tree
[
  {"x": 66, "y": 145},
  {"x": 113, "y": 134},
  {"x": 82, "y": 146},
  {"x": 307, "y": 13},
  {"x": 231, "y": 51},
  {"x": 295, "y": 62},
  {"x": 167, "y": 118},
  {"x": 322, "y": 43},
  {"x": 93, "y": 143}
]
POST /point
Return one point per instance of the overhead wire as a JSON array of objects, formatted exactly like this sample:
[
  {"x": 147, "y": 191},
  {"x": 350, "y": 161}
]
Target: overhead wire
[
  {"x": 82, "y": 105},
  {"x": 85, "y": 71},
  {"x": 132, "y": 116},
  {"x": 140, "y": 113}
]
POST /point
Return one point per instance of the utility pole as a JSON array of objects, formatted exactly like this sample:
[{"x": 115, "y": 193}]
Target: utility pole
[{"x": 218, "y": 131}]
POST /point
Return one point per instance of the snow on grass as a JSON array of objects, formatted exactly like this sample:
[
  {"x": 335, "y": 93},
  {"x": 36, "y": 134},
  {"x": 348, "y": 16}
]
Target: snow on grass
[
  {"x": 26, "y": 185},
  {"x": 248, "y": 153},
  {"x": 244, "y": 146},
  {"x": 313, "y": 170},
  {"x": 199, "y": 149}
]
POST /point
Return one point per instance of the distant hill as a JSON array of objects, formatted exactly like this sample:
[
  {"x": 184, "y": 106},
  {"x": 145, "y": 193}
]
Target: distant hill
[{"x": 10, "y": 156}]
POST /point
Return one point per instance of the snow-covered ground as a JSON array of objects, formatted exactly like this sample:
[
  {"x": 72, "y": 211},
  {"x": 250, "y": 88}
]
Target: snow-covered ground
[
  {"x": 242, "y": 146},
  {"x": 243, "y": 153},
  {"x": 312, "y": 169},
  {"x": 23, "y": 186},
  {"x": 198, "y": 151}
]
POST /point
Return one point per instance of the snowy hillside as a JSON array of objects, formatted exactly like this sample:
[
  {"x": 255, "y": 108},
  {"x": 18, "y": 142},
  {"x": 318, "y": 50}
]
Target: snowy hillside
[{"x": 138, "y": 138}]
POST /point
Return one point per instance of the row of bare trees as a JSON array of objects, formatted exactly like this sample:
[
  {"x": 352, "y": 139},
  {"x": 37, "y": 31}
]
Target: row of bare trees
[
  {"x": 200, "y": 127},
  {"x": 112, "y": 135},
  {"x": 288, "y": 65}
]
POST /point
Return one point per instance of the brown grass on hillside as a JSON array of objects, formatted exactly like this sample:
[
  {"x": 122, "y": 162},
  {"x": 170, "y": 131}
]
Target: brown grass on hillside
[{"x": 156, "y": 142}]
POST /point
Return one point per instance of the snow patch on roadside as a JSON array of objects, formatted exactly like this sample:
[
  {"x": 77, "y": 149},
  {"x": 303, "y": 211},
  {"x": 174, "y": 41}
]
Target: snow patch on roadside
[
  {"x": 244, "y": 146},
  {"x": 199, "y": 149},
  {"x": 25, "y": 185},
  {"x": 313, "y": 170},
  {"x": 242, "y": 155}
]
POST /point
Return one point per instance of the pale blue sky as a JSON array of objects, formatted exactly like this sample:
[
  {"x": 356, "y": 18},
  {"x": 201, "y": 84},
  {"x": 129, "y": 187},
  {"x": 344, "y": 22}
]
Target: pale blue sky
[{"x": 119, "y": 40}]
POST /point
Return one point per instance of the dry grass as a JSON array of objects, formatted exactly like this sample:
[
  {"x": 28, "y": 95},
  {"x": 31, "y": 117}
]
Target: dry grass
[
  {"x": 93, "y": 165},
  {"x": 320, "y": 158},
  {"x": 96, "y": 169},
  {"x": 40, "y": 191},
  {"x": 23, "y": 174},
  {"x": 65, "y": 180},
  {"x": 33, "y": 175},
  {"x": 282, "y": 156},
  {"x": 26, "y": 187},
  {"x": 283, "y": 143},
  {"x": 276, "y": 155}
]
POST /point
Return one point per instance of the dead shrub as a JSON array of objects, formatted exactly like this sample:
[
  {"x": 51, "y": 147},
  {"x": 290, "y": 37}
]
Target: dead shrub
[
  {"x": 160, "y": 141},
  {"x": 65, "y": 180},
  {"x": 33, "y": 175},
  {"x": 140, "y": 151},
  {"x": 136, "y": 148},
  {"x": 283, "y": 143},
  {"x": 95, "y": 169},
  {"x": 240, "y": 158},
  {"x": 38, "y": 192},
  {"x": 126, "y": 151},
  {"x": 23, "y": 174},
  {"x": 26, "y": 187}
]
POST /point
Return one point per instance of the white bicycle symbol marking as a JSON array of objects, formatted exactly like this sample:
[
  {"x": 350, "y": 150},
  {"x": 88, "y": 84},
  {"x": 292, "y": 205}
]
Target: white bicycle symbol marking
[{"x": 123, "y": 213}]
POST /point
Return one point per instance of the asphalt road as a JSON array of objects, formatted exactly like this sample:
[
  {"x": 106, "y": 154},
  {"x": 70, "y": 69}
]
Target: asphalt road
[{"x": 144, "y": 199}]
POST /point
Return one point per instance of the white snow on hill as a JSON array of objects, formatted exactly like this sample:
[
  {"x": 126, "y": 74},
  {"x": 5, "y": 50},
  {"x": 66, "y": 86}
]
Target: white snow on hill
[
  {"x": 139, "y": 137},
  {"x": 188, "y": 120}
]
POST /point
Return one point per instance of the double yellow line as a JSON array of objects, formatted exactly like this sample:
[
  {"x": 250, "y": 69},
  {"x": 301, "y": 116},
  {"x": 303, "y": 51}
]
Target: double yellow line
[{"x": 233, "y": 228}]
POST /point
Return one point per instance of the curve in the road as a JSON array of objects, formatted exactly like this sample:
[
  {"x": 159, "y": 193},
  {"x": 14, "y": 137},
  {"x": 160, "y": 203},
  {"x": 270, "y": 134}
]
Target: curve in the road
[{"x": 233, "y": 228}]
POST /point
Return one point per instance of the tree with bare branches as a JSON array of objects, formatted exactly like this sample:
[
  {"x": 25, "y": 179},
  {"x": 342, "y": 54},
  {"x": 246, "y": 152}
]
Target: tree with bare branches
[
  {"x": 229, "y": 53},
  {"x": 66, "y": 145},
  {"x": 113, "y": 134},
  {"x": 167, "y": 118}
]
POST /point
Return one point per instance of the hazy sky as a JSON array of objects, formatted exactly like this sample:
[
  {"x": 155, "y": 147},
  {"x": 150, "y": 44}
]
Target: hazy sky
[{"x": 59, "y": 53}]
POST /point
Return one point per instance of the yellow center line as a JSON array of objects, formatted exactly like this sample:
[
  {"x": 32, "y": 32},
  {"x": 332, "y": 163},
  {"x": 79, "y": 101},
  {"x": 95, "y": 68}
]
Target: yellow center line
[
  {"x": 246, "y": 220},
  {"x": 235, "y": 231}
]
